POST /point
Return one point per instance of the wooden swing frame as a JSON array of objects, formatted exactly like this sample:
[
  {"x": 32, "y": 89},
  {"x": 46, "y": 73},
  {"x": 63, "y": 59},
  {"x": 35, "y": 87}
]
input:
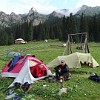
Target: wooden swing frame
[{"x": 85, "y": 47}]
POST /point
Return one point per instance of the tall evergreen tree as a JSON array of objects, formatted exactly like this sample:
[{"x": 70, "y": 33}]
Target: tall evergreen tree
[
  {"x": 35, "y": 32},
  {"x": 3, "y": 38},
  {"x": 64, "y": 29},
  {"x": 98, "y": 29},
  {"x": 26, "y": 31},
  {"x": 46, "y": 31},
  {"x": 83, "y": 23},
  {"x": 71, "y": 25},
  {"x": 51, "y": 33},
  {"x": 40, "y": 32},
  {"x": 30, "y": 31},
  {"x": 10, "y": 38},
  {"x": 91, "y": 29},
  {"x": 22, "y": 35}
]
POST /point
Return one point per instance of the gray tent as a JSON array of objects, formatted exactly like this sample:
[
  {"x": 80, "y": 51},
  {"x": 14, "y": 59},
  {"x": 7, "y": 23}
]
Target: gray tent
[{"x": 74, "y": 60}]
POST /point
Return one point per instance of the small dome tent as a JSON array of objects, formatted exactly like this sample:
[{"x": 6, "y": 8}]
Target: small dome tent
[{"x": 21, "y": 69}]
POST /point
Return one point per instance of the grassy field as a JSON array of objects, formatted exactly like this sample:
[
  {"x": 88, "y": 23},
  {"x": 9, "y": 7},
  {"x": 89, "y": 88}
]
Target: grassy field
[{"x": 79, "y": 87}]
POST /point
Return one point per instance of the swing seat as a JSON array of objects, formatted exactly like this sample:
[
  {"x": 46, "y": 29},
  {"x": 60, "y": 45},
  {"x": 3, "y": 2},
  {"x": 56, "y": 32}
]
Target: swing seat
[{"x": 79, "y": 47}]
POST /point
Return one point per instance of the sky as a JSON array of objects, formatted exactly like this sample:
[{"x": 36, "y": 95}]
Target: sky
[{"x": 43, "y": 6}]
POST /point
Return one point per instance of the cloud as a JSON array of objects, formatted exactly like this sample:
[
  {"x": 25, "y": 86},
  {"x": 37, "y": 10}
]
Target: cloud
[
  {"x": 43, "y": 6},
  {"x": 90, "y": 3},
  {"x": 23, "y": 6}
]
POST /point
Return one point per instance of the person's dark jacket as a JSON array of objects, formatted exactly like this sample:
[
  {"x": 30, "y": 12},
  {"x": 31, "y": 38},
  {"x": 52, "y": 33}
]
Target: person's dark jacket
[{"x": 64, "y": 69}]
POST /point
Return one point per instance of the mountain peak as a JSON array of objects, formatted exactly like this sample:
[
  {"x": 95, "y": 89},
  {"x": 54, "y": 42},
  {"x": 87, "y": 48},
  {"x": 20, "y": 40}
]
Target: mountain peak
[
  {"x": 56, "y": 14},
  {"x": 84, "y": 7},
  {"x": 32, "y": 10},
  {"x": 12, "y": 13},
  {"x": 62, "y": 12}
]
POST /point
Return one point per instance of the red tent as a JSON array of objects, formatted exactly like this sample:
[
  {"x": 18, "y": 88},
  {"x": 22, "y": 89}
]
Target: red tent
[{"x": 14, "y": 66}]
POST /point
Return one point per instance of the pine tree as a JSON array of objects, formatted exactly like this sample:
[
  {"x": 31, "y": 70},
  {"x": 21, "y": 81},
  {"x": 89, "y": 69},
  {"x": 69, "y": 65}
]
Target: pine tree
[
  {"x": 3, "y": 38},
  {"x": 91, "y": 29},
  {"x": 10, "y": 38},
  {"x": 30, "y": 31},
  {"x": 83, "y": 23},
  {"x": 51, "y": 33},
  {"x": 98, "y": 28},
  {"x": 71, "y": 25},
  {"x": 40, "y": 32},
  {"x": 64, "y": 29}
]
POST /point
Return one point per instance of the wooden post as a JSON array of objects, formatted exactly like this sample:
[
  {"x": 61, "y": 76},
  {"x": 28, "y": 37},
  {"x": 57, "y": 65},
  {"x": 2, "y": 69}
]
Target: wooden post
[
  {"x": 85, "y": 47},
  {"x": 69, "y": 45}
]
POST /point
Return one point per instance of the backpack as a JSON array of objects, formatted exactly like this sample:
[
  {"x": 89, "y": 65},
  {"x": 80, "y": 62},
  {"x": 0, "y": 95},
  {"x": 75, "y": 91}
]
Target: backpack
[{"x": 94, "y": 77}]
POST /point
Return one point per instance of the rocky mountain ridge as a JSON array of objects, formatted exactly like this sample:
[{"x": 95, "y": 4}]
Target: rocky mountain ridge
[{"x": 7, "y": 20}]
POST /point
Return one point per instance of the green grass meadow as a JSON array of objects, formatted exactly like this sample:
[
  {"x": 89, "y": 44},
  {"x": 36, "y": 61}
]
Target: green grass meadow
[{"x": 79, "y": 87}]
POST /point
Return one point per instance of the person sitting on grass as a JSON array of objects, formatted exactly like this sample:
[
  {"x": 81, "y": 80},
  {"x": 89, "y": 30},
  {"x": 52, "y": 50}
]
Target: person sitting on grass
[{"x": 62, "y": 70}]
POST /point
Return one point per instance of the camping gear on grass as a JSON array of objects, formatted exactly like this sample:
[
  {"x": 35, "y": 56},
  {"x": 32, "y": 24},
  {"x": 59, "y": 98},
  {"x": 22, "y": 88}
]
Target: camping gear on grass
[
  {"x": 18, "y": 97},
  {"x": 94, "y": 77},
  {"x": 12, "y": 54}
]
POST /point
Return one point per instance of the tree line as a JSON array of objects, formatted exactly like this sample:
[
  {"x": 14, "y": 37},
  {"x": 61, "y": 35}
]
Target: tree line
[{"x": 58, "y": 28}]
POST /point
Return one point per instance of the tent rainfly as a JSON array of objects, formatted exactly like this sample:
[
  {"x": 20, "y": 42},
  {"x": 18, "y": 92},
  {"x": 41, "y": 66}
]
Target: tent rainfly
[{"x": 74, "y": 60}]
